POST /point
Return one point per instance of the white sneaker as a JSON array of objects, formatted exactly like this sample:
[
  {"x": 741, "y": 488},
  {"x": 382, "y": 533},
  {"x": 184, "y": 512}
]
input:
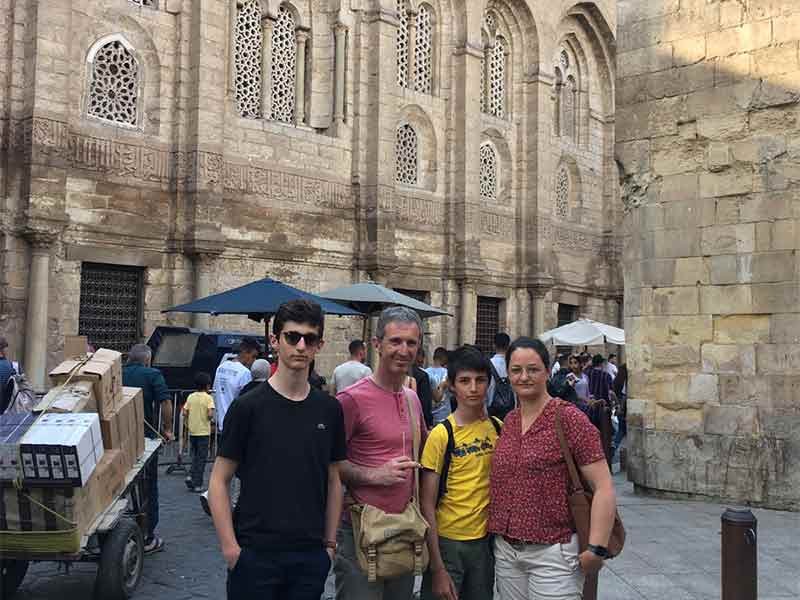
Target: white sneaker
[{"x": 204, "y": 503}]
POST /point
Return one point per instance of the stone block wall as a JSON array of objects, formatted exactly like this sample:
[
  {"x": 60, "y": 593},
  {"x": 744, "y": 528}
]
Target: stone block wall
[{"x": 708, "y": 131}]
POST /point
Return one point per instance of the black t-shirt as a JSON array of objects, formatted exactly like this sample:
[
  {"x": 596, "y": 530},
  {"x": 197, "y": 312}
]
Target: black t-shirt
[{"x": 283, "y": 449}]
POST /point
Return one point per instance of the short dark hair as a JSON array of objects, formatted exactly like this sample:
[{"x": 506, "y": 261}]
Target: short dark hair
[
  {"x": 202, "y": 380},
  {"x": 355, "y": 346},
  {"x": 597, "y": 360},
  {"x": 531, "y": 343},
  {"x": 501, "y": 341},
  {"x": 299, "y": 311},
  {"x": 467, "y": 358},
  {"x": 610, "y": 356},
  {"x": 440, "y": 354},
  {"x": 248, "y": 344}
]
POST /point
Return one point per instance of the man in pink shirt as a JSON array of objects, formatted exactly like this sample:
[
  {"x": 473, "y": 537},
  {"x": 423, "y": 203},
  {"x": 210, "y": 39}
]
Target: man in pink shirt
[{"x": 380, "y": 465}]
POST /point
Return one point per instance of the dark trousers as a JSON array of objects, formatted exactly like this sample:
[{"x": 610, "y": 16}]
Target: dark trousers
[
  {"x": 296, "y": 575},
  {"x": 199, "y": 449},
  {"x": 151, "y": 475}
]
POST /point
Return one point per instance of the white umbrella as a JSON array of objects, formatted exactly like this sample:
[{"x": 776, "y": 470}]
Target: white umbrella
[{"x": 584, "y": 332}]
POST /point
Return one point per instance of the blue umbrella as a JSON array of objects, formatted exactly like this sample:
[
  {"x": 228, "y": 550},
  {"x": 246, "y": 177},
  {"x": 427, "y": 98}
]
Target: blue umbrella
[{"x": 258, "y": 300}]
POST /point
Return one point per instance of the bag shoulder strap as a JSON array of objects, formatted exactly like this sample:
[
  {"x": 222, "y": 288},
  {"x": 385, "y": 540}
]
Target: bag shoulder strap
[
  {"x": 416, "y": 437},
  {"x": 568, "y": 458},
  {"x": 448, "y": 457}
]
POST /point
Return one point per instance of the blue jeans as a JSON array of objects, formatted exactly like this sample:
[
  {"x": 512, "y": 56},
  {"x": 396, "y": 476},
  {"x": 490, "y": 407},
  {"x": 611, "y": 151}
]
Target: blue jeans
[
  {"x": 199, "y": 448},
  {"x": 298, "y": 575}
]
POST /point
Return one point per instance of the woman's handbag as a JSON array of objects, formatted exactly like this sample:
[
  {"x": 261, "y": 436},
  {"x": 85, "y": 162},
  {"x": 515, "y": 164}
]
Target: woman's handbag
[
  {"x": 389, "y": 545},
  {"x": 580, "y": 500}
]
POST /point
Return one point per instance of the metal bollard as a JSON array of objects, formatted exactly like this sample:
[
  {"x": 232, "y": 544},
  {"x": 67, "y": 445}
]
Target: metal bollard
[{"x": 739, "y": 555}]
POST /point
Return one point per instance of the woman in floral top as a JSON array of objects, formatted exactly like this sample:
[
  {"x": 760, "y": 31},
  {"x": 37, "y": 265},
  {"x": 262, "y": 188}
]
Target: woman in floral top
[{"x": 536, "y": 547}]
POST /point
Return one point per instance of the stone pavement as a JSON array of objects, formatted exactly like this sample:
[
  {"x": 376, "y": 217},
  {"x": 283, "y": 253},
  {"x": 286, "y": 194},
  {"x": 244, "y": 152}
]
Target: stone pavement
[{"x": 673, "y": 551}]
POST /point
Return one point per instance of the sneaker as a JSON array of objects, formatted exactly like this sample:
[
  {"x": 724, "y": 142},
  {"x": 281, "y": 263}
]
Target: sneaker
[
  {"x": 188, "y": 482},
  {"x": 153, "y": 545},
  {"x": 204, "y": 503}
]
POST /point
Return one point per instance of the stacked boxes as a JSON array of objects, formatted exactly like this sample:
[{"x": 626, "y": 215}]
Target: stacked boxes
[
  {"x": 76, "y": 397},
  {"x": 103, "y": 369},
  {"x": 12, "y": 428},
  {"x": 124, "y": 428}
]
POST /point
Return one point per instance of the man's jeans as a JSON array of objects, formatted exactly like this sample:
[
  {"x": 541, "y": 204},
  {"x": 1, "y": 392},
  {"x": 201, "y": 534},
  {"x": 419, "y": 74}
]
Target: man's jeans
[
  {"x": 351, "y": 581},
  {"x": 199, "y": 449},
  {"x": 298, "y": 575}
]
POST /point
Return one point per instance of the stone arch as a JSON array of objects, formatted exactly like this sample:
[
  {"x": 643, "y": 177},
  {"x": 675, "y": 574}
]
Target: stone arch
[
  {"x": 128, "y": 110},
  {"x": 301, "y": 9},
  {"x": 574, "y": 199},
  {"x": 427, "y": 144},
  {"x": 114, "y": 23},
  {"x": 505, "y": 168}
]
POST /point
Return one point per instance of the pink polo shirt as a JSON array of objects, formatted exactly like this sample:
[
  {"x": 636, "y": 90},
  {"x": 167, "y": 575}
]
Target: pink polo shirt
[{"x": 377, "y": 426}]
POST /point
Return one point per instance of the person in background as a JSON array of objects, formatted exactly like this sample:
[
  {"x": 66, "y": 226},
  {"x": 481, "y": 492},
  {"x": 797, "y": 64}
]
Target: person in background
[
  {"x": 423, "y": 388},
  {"x": 535, "y": 544},
  {"x": 557, "y": 364},
  {"x": 198, "y": 410},
  {"x": 315, "y": 380},
  {"x": 6, "y": 371},
  {"x": 351, "y": 371},
  {"x": 611, "y": 366},
  {"x": 440, "y": 407},
  {"x": 621, "y": 391},
  {"x": 501, "y": 342},
  {"x": 457, "y": 508},
  {"x": 137, "y": 372},
  {"x": 260, "y": 372}
]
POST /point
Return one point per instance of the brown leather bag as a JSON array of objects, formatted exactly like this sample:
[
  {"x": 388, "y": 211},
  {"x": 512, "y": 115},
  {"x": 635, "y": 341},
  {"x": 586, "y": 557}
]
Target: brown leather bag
[{"x": 580, "y": 500}]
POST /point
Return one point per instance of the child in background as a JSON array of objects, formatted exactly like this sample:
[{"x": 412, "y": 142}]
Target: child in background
[{"x": 198, "y": 410}]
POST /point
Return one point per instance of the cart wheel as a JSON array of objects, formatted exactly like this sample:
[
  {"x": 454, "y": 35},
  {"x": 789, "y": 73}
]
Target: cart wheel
[
  {"x": 121, "y": 561},
  {"x": 12, "y": 572}
]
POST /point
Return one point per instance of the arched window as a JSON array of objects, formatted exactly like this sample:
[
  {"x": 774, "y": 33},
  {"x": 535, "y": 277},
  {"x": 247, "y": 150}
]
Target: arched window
[
  {"x": 566, "y": 121},
  {"x": 284, "y": 66},
  {"x": 402, "y": 44},
  {"x": 563, "y": 191},
  {"x": 488, "y": 172},
  {"x": 497, "y": 79},
  {"x": 406, "y": 155},
  {"x": 114, "y": 86},
  {"x": 248, "y": 42},
  {"x": 423, "y": 51}
]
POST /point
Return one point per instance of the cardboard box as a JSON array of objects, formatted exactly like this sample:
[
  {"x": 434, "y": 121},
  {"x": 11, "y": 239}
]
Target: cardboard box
[
  {"x": 12, "y": 428},
  {"x": 78, "y": 505},
  {"x": 137, "y": 432},
  {"x": 65, "y": 449},
  {"x": 74, "y": 397},
  {"x": 75, "y": 346},
  {"x": 103, "y": 369}
]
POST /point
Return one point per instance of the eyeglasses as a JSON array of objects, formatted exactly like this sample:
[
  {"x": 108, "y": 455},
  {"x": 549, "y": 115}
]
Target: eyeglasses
[
  {"x": 293, "y": 337},
  {"x": 529, "y": 371}
]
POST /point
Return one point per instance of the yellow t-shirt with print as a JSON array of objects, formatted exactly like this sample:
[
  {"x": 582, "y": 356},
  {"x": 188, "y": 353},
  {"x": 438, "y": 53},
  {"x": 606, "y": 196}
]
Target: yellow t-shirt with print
[
  {"x": 196, "y": 411},
  {"x": 463, "y": 511}
]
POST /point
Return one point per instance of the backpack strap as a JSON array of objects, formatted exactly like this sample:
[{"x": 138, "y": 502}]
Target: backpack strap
[{"x": 448, "y": 456}]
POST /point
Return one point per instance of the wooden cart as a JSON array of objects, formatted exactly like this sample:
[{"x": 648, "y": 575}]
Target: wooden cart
[{"x": 114, "y": 540}]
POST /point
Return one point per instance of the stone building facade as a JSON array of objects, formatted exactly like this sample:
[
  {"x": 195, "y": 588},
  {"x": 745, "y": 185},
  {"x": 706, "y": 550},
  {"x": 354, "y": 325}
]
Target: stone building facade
[
  {"x": 708, "y": 135},
  {"x": 154, "y": 151}
]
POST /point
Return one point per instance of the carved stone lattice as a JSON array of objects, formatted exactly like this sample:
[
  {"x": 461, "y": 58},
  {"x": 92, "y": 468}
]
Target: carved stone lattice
[
  {"x": 402, "y": 44},
  {"x": 114, "y": 90},
  {"x": 248, "y": 43},
  {"x": 562, "y": 193},
  {"x": 284, "y": 66},
  {"x": 423, "y": 53},
  {"x": 564, "y": 60},
  {"x": 147, "y": 3},
  {"x": 488, "y": 172},
  {"x": 483, "y": 82},
  {"x": 497, "y": 79},
  {"x": 406, "y": 155},
  {"x": 568, "y": 107}
]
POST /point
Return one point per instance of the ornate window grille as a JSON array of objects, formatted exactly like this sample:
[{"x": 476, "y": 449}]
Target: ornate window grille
[
  {"x": 497, "y": 79},
  {"x": 488, "y": 323},
  {"x": 114, "y": 87},
  {"x": 569, "y": 110},
  {"x": 147, "y": 3},
  {"x": 423, "y": 59},
  {"x": 248, "y": 43},
  {"x": 483, "y": 82},
  {"x": 402, "y": 44},
  {"x": 110, "y": 313},
  {"x": 284, "y": 66},
  {"x": 488, "y": 172},
  {"x": 406, "y": 155},
  {"x": 563, "y": 186}
]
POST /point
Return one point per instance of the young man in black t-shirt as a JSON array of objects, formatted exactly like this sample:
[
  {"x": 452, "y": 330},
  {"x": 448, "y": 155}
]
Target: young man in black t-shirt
[{"x": 285, "y": 442}]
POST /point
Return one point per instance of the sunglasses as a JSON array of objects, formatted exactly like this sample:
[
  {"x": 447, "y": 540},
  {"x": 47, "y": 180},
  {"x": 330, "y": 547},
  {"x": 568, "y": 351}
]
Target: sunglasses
[{"x": 293, "y": 337}]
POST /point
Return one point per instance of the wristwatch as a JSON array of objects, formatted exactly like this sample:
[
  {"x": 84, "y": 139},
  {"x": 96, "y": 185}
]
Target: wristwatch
[{"x": 600, "y": 551}]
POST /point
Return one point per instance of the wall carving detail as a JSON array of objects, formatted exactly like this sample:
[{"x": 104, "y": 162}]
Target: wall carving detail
[{"x": 412, "y": 210}]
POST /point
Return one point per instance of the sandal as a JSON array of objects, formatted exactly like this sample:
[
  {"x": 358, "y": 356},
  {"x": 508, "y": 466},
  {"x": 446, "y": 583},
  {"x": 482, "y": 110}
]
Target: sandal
[{"x": 155, "y": 544}]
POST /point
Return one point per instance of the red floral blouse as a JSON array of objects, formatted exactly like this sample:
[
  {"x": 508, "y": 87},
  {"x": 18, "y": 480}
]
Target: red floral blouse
[{"x": 528, "y": 490}]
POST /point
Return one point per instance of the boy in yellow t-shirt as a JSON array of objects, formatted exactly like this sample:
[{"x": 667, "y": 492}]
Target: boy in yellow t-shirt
[
  {"x": 457, "y": 460},
  {"x": 198, "y": 410}
]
